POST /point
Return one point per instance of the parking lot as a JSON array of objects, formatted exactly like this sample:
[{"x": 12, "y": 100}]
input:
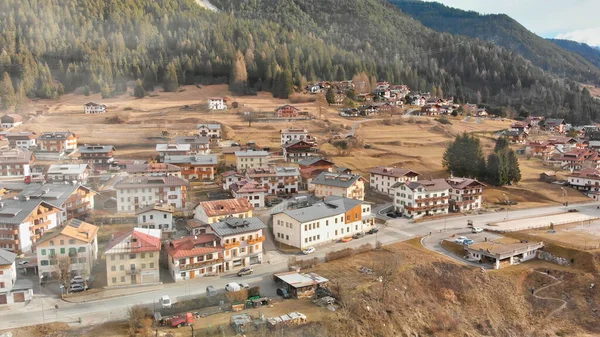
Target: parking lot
[
  {"x": 584, "y": 236},
  {"x": 537, "y": 222}
]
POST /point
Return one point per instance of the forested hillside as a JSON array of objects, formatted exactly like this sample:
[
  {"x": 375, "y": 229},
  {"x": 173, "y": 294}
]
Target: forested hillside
[
  {"x": 590, "y": 53},
  {"x": 506, "y": 32},
  {"x": 55, "y": 46}
]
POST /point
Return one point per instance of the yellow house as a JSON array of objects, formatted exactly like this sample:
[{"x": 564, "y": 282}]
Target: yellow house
[
  {"x": 75, "y": 240},
  {"x": 132, "y": 257},
  {"x": 328, "y": 184},
  {"x": 214, "y": 211}
]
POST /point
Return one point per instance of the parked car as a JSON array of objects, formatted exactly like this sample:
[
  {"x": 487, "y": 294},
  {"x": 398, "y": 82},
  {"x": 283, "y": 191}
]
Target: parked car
[
  {"x": 573, "y": 210},
  {"x": 308, "y": 250},
  {"x": 469, "y": 223},
  {"x": 392, "y": 215},
  {"x": 244, "y": 286},
  {"x": 358, "y": 235},
  {"x": 233, "y": 287},
  {"x": 211, "y": 291},
  {"x": 460, "y": 239},
  {"x": 347, "y": 239},
  {"x": 24, "y": 263},
  {"x": 373, "y": 230},
  {"x": 245, "y": 271},
  {"x": 165, "y": 301},
  {"x": 75, "y": 288},
  {"x": 467, "y": 242},
  {"x": 283, "y": 293},
  {"x": 476, "y": 230},
  {"x": 77, "y": 279},
  {"x": 182, "y": 320}
]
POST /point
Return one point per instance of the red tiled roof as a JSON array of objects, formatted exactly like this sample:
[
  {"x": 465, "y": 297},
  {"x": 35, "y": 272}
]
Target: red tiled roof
[
  {"x": 136, "y": 240},
  {"x": 193, "y": 246},
  {"x": 225, "y": 207}
]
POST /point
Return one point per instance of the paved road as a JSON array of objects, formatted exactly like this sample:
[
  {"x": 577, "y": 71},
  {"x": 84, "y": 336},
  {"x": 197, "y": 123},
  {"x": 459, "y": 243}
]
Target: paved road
[{"x": 41, "y": 309}]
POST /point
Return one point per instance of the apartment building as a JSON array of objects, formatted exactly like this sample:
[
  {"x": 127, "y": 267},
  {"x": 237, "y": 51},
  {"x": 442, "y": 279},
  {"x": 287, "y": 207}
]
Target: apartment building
[
  {"x": 73, "y": 200},
  {"x": 338, "y": 184},
  {"x": 202, "y": 167},
  {"x": 216, "y": 210},
  {"x": 277, "y": 180},
  {"x": 242, "y": 241},
  {"x": 59, "y": 142},
  {"x": 137, "y": 192},
  {"x": 251, "y": 190},
  {"x": 198, "y": 144},
  {"x": 326, "y": 221},
  {"x": 12, "y": 290},
  {"x": 586, "y": 180},
  {"x": 417, "y": 199},
  {"x": 465, "y": 194},
  {"x": 249, "y": 159},
  {"x": 132, "y": 258},
  {"x": 292, "y": 134},
  {"x": 16, "y": 163},
  {"x": 99, "y": 157},
  {"x": 217, "y": 103},
  {"x": 383, "y": 178},
  {"x": 68, "y": 172},
  {"x": 165, "y": 150},
  {"x": 24, "y": 221},
  {"x": 21, "y": 140},
  {"x": 152, "y": 170},
  {"x": 195, "y": 256},
  {"x": 296, "y": 150},
  {"x": 73, "y": 245},
  {"x": 231, "y": 177},
  {"x": 156, "y": 216}
]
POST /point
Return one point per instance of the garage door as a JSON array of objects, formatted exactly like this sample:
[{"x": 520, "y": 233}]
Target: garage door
[
  {"x": 2, "y": 298},
  {"x": 19, "y": 297},
  {"x": 148, "y": 278}
]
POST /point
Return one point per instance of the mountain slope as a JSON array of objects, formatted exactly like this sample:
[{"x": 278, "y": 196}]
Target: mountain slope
[
  {"x": 506, "y": 32},
  {"x": 590, "y": 53},
  {"x": 55, "y": 46}
]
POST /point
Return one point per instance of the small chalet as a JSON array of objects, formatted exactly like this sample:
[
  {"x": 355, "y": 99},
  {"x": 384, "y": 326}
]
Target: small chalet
[
  {"x": 11, "y": 120},
  {"x": 297, "y": 150},
  {"x": 94, "y": 108},
  {"x": 251, "y": 190},
  {"x": 482, "y": 113},
  {"x": 287, "y": 111},
  {"x": 517, "y": 137},
  {"x": 534, "y": 120},
  {"x": 520, "y": 126},
  {"x": 587, "y": 180},
  {"x": 217, "y": 103},
  {"x": 538, "y": 148},
  {"x": 556, "y": 125},
  {"x": 563, "y": 144}
]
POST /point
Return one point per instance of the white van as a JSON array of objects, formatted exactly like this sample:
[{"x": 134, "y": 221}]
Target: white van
[
  {"x": 165, "y": 301},
  {"x": 233, "y": 287}
]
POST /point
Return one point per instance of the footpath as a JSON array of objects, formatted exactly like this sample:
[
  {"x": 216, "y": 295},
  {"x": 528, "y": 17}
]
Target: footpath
[{"x": 102, "y": 294}]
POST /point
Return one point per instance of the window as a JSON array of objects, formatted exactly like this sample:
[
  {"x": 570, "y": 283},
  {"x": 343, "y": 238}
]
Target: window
[
  {"x": 151, "y": 254},
  {"x": 62, "y": 242},
  {"x": 143, "y": 255},
  {"x": 82, "y": 260},
  {"x": 44, "y": 262},
  {"x": 182, "y": 261},
  {"x": 62, "y": 250},
  {"x": 164, "y": 216},
  {"x": 131, "y": 256},
  {"x": 114, "y": 280},
  {"x": 112, "y": 257},
  {"x": 113, "y": 268},
  {"x": 287, "y": 237},
  {"x": 151, "y": 217},
  {"x": 43, "y": 252},
  {"x": 151, "y": 264},
  {"x": 81, "y": 249},
  {"x": 122, "y": 267},
  {"x": 122, "y": 278},
  {"x": 72, "y": 241}
]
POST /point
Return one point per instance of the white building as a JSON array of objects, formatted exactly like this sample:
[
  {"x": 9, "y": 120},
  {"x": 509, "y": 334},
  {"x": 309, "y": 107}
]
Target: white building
[
  {"x": 277, "y": 180},
  {"x": 251, "y": 190},
  {"x": 24, "y": 221},
  {"x": 152, "y": 170},
  {"x": 21, "y": 140},
  {"x": 503, "y": 254},
  {"x": 195, "y": 256},
  {"x": 212, "y": 131},
  {"x": 465, "y": 194},
  {"x": 242, "y": 240},
  {"x": 217, "y": 103},
  {"x": 12, "y": 290},
  {"x": 249, "y": 159},
  {"x": 165, "y": 150},
  {"x": 94, "y": 108},
  {"x": 68, "y": 172},
  {"x": 217, "y": 210},
  {"x": 76, "y": 241},
  {"x": 330, "y": 220},
  {"x": 231, "y": 177},
  {"x": 587, "y": 180},
  {"x": 157, "y": 216},
  {"x": 137, "y": 192},
  {"x": 338, "y": 184},
  {"x": 291, "y": 134},
  {"x": 383, "y": 178},
  {"x": 421, "y": 198}
]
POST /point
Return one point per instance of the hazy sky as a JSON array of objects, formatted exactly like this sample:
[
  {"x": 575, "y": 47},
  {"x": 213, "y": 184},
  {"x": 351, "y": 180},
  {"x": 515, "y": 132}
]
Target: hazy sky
[{"x": 574, "y": 19}]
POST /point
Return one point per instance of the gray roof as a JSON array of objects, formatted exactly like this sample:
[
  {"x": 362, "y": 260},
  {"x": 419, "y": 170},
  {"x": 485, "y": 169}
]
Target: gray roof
[
  {"x": 191, "y": 140},
  {"x": 54, "y": 194},
  {"x": 433, "y": 185},
  {"x": 14, "y": 212},
  {"x": 331, "y": 206},
  {"x": 55, "y": 135},
  {"x": 335, "y": 179},
  {"x": 192, "y": 159},
  {"x": 233, "y": 226},
  {"x": 251, "y": 153},
  {"x": 210, "y": 126},
  {"x": 15, "y": 156},
  {"x": 6, "y": 257},
  {"x": 68, "y": 168},
  {"x": 145, "y": 181},
  {"x": 172, "y": 147},
  {"x": 96, "y": 149}
]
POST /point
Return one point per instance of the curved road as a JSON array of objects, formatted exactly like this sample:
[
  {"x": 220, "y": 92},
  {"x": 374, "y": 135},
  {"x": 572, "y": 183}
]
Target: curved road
[{"x": 564, "y": 303}]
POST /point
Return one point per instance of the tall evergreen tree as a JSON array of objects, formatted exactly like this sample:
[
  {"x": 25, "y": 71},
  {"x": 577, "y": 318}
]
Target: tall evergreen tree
[
  {"x": 464, "y": 156},
  {"x": 170, "y": 83},
  {"x": 501, "y": 144},
  {"x": 493, "y": 170},
  {"x": 287, "y": 84},
  {"x": 7, "y": 92},
  {"x": 139, "y": 91},
  {"x": 513, "y": 166},
  {"x": 238, "y": 79},
  {"x": 330, "y": 96}
]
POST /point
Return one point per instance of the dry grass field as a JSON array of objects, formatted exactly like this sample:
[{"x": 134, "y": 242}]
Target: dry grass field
[{"x": 417, "y": 142}]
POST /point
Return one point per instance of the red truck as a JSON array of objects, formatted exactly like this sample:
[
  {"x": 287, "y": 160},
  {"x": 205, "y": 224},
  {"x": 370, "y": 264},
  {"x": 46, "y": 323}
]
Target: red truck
[{"x": 182, "y": 320}]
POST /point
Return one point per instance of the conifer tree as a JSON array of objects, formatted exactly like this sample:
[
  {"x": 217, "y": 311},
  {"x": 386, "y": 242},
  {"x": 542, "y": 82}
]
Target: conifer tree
[
  {"x": 139, "y": 91},
  {"x": 170, "y": 83},
  {"x": 330, "y": 96},
  {"x": 7, "y": 92}
]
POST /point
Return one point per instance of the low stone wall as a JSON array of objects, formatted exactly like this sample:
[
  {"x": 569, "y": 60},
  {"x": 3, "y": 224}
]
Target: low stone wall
[{"x": 542, "y": 255}]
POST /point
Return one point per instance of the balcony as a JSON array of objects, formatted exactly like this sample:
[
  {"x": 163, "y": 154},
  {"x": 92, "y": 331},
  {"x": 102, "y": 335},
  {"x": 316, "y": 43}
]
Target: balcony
[
  {"x": 9, "y": 231},
  {"x": 231, "y": 245},
  {"x": 431, "y": 199},
  {"x": 200, "y": 264},
  {"x": 132, "y": 271},
  {"x": 256, "y": 240},
  {"x": 41, "y": 224},
  {"x": 419, "y": 208}
]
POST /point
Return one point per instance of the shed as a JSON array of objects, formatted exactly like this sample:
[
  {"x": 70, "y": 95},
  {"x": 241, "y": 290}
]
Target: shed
[
  {"x": 548, "y": 176},
  {"x": 300, "y": 285}
]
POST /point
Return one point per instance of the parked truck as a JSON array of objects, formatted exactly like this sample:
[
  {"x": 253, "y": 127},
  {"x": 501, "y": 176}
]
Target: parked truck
[{"x": 182, "y": 320}]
